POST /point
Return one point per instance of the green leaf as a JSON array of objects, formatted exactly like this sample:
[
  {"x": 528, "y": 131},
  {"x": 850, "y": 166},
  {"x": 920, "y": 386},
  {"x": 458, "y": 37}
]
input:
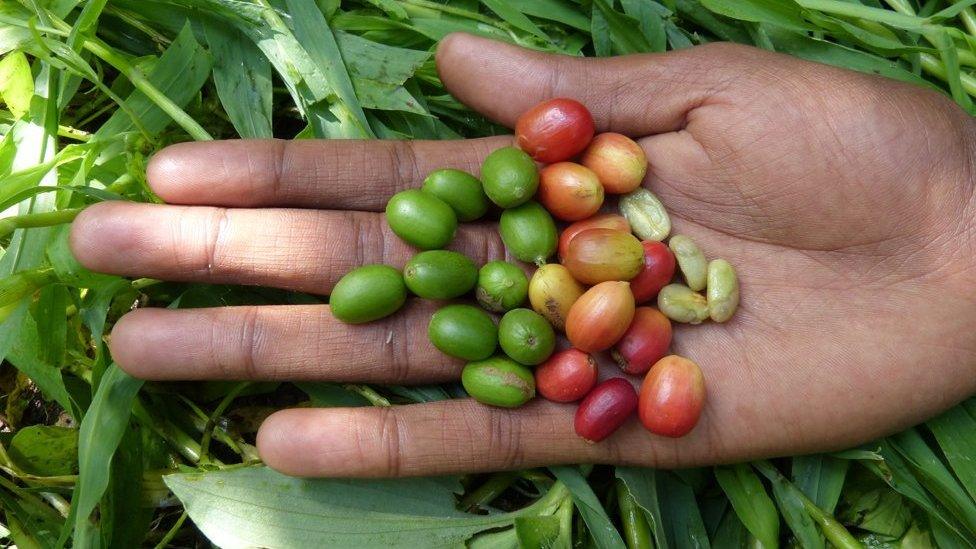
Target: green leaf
[
  {"x": 331, "y": 395},
  {"x": 776, "y": 12},
  {"x": 559, "y": 11},
  {"x": 650, "y": 16},
  {"x": 52, "y": 326},
  {"x": 99, "y": 435},
  {"x": 600, "y": 33},
  {"x": 731, "y": 533},
  {"x": 750, "y": 501},
  {"x": 179, "y": 74},
  {"x": 821, "y": 478},
  {"x": 511, "y": 14},
  {"x": 390, "y": 7},
  {"x": 378, "y": 72},
  {"x": 313, "y": 32},
  {"x": 855, "y": 9},
  {"x": 45, "y": 450},
  {"x": 869, "y": 504},
  {"x": 122, "y": 523},
  {"x": 952, "y": 11},
  {"x": 954, "y": 431},
  {"x": 953, "y": 73},
  {"x": 642, "y": 485},
  {"x": 896, "y": 472},
  {"x": 788, "y": 498},
  {"x": 541, "y": 531},
  {"x": 723, "y": 28},
  {"x": 256, "y": 506},
  {"x": 421, "y": 393},
  {"x": 242, "y": 77},
  {"x": 601, "y": 528},
  {"x": 624, "y": 31},
  {"x": 25, "y": 354},
  {"x": 16, "y": 83},
  {"x": 842, "y": 56},
  {"x": 32, "y": 523},
  {"x": 936, "y": 478},
  {"x": 682, "y": 518}
]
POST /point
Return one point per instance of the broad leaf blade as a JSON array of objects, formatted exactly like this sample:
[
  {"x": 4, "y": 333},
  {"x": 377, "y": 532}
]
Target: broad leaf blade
[{"x": 258, "y": 507}]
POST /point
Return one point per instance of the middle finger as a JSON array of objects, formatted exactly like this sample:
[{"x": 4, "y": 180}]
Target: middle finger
[{"x": 302, "y": 250}]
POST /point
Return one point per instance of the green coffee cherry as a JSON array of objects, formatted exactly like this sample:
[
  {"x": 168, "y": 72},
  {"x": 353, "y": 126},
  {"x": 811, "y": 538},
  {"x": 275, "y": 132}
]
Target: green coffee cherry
[
  {"x": 509, "y": 176},
  {"x": 368, "y": 293},
  {"x": 463, "y": 331},
  {"x": 421, "y": 219},
  {"x": 498, "y": 381},
  {"x": 526, "y": 337},
  {"x": 529, "y": 232},
  {"x": 502, "y": 286},
  {"x": 440, "y": 274},
  {"x": 460, "y": 190}
]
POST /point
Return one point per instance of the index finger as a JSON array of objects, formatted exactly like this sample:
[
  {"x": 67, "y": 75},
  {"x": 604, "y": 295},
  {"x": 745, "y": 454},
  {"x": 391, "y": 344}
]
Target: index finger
[{"x": 329, "y": 174}]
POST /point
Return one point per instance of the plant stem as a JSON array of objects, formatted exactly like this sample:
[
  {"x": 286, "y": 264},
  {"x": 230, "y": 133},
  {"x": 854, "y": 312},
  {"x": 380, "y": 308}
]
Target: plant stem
[
  {"x": 34, "y": 220},
  {"x": 141, "y": 83},
  {"x": 18, "y": 285},
  {"x": 131, "y": 19},
  {"x": 369, "y": 394},
  {"x": 553, "y": 500},
  {"x": 208, "y": 429},
  {"x": 466, "y": 14},
  {"x": 834, "y": 531},
  {"x": 63, "y": 131},
  {"x": 141, "y": 283},
  {"x": 172, "y": 532},
  {"x": 59, "y": 503},
  {"x": 637, "y": 533},
  {"x": 489, "y": 491},
  {"x": 901, "y": 6},
  {"x": 968, "y": 18},
  {"x": 932, "y": 65}
]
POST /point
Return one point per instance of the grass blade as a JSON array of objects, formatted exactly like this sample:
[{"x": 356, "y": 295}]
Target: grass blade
[
  {"x": 642, "y": 485},
  {"x": 99, "y": 436},
  {"x": 605, "y": 535},
  {"x": 750, "y": 501},
  {"x": 683, "y": 522},
  {"x": 242, "y": 77},
  {"x": 313, "y": 31},
  {"x": 821, "y": 478}
]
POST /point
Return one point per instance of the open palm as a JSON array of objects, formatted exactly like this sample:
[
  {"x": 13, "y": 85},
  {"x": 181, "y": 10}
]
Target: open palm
[{"x": 846, "y": 201}]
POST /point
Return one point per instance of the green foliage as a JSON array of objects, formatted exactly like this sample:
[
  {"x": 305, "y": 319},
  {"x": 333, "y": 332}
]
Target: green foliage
[{"x": 90, "y": 89}]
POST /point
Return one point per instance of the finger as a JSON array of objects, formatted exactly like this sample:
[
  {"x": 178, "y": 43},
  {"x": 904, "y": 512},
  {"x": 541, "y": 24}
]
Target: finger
[
  {"x": 634, "y": 95},
  {"x": 450, "y": 437},
  {"x": 303, "y": 250},
  {"x": 335, "y": 174},
  {"x": 280, "y": 343}
]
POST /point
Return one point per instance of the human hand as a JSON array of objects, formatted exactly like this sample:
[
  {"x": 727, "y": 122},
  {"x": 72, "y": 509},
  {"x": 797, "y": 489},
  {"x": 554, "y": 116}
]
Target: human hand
[{"x": 847, "y": 203}]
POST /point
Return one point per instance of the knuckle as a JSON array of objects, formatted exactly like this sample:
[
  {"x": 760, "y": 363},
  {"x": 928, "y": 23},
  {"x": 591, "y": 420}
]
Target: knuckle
[
  {"x": 397, "y": 344},
  {"x": 403, "y": 164},
  {"x": 504, "y": 449},
  {"x": 391, "y": 432},
  {"x": 279, "y": 153},
  {"x": 251, "y": 342},
  {"x": 204, "y": 255}
]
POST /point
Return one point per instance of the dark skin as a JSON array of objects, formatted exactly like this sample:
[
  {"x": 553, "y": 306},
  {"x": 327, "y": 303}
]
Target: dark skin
[{"x": 845, "y": 200}]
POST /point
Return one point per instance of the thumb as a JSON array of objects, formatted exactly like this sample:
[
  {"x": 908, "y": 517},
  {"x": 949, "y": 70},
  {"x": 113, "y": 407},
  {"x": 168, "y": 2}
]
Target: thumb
[{"x": 635, "y": 95}]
